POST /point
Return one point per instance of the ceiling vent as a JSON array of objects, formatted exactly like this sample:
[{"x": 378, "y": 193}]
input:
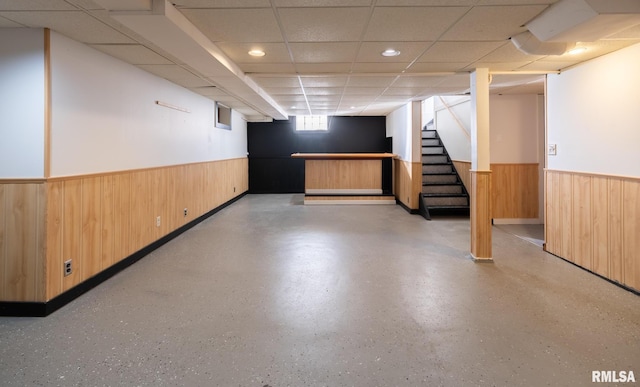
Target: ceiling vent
[
  {"x": 584, "y": 20},
  {"x": 529, "y": 44},
  {"x": 559, "y": 27}
]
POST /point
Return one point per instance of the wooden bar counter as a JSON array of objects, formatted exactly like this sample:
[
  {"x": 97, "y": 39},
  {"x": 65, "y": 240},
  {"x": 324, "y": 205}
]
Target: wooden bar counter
[{"x": 344, "y": 178}]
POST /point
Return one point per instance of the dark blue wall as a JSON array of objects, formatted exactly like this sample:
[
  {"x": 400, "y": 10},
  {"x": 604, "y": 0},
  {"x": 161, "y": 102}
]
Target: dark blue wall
[{"x": 270, "y": 144}]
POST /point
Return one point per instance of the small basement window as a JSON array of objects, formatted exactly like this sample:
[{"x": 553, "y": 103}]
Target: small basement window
[
  {"x": 223, "y": 116},
  {"x": 312, "y": 123}
]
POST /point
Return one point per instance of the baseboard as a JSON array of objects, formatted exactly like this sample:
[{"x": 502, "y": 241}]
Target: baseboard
[
  {"x": 618, "y": 284},
  {"x": 43, "y": 309},
  {"x": 409, "y": 210},
  {"x": 517, "y": 221}
]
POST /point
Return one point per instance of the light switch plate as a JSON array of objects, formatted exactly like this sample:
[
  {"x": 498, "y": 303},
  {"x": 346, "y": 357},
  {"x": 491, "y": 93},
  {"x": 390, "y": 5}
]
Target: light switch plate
[{"x": 552, "y": 150}]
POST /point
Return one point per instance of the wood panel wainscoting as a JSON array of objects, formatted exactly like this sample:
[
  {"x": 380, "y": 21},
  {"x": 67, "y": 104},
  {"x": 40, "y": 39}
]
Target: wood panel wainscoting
[
  {"x": 344, "y": 178},
  {"x": 464, "y": 171},
  {"x": 22, "y": 239},
  {"x": 593, "y": 221},
  {"x": 514, "y": 189},
  {"x": 407, "y": 183},
  {"x": 99, "y": 220},
  {"x": 480, "y": 215}
]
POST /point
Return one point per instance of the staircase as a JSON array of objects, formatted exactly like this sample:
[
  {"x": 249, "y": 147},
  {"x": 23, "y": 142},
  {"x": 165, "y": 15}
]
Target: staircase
[{"x": 442, "y": 190}]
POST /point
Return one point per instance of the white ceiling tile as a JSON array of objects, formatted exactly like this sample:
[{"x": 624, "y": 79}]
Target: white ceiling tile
[
  {"x": 398, "y": 3},
  {"x": 132, "y": 53},
  {"x": 409, "y": 51},
  {"x": 84, "y": 4},
  {"x": 459, "y": 51},
  {"x": 40, "y": 5},
  {"x": 323, "y": 24},
  {"x": 266, "y": 81},
  {"x": 377, "y": 67},
  {"x": 221, "y": 3},
  {"x": 492, "y": 23},
  {"x": 284, "y": 90},
  {"x": 267, "y": 68},
  {"x": 322, "y": 3},
  {"x": 73, "y": 24},
  {"x": 319, "y": 99},
  {"x": 370, "y": 81},
  {"x": 323, "y": 90},
  {"x": 324, "y": 81},
  {"x": 413, "y": 81},
  {"x": 515, "y": 2},
  {"x": 78, "y": 26},
  {"x": 335, "y": 46},
  {"x": 629, "y": 33},
  {"x": 239, "y": 52},
  {"x": 411, "y": 23},
  {"x": 403, "y": 91},
  {"x": 236, "y": 25},
  {"x": 323, "y": 106},
  {"x": 287, "y": 99},
  {"x": 432, "y": 67},
  {"x": 323, "y": 68},
  {"x": 324, "y": 52},
  {"x": 362, "y": 91}
]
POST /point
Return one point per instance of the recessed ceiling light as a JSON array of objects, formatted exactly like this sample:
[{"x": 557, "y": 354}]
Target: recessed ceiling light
[
  {"x": 352, "y": 107},
  {"x": 257, "y": 53},
  {"x": 390, "y": 52},
  {"x": 577, "y": 50}
]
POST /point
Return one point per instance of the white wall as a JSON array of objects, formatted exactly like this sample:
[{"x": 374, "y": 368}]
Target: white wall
[
  {"x": 105, "y": 117},
  {"x": 593, "y": 115},
  {"x": 428, "y": 110},
  {"x": 514, "y": 128},
  {"x": 22, "y": 107},
  {"x": 399, "y": 127},
  {"x": 454, "y": 124}
]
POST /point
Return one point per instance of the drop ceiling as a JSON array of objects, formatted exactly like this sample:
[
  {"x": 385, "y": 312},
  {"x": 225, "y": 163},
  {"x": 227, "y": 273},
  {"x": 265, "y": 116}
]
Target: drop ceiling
[{"x": 322, "y": 56}]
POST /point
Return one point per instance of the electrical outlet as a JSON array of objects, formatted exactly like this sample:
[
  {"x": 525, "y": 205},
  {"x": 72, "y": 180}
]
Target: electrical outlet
[
  {"x": 185, "y": 212},
  {"x": 158, "y": 221},
  {"x": 68, "y": 269}
]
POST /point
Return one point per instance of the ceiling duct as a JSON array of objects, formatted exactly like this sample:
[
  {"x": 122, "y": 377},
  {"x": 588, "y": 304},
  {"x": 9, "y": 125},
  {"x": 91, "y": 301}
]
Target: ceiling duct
[
  {"x": 584, "y": 20},
  {"x": 529, "y": 44}
]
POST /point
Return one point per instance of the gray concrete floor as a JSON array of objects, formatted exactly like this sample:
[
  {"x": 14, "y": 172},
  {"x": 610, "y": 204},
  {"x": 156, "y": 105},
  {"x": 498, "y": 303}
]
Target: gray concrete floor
[{"x": 271, "y": 292}]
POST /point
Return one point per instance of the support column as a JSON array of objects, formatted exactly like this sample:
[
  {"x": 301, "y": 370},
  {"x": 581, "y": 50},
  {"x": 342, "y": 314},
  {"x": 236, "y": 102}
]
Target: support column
[{"x": 480, "y": 212}]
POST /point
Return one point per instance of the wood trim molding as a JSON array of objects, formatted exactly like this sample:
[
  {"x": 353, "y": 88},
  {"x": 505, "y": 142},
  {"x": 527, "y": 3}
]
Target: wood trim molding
[
  {"x": 625, "y": 177},
  {"x": 23, "y": 181}
]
